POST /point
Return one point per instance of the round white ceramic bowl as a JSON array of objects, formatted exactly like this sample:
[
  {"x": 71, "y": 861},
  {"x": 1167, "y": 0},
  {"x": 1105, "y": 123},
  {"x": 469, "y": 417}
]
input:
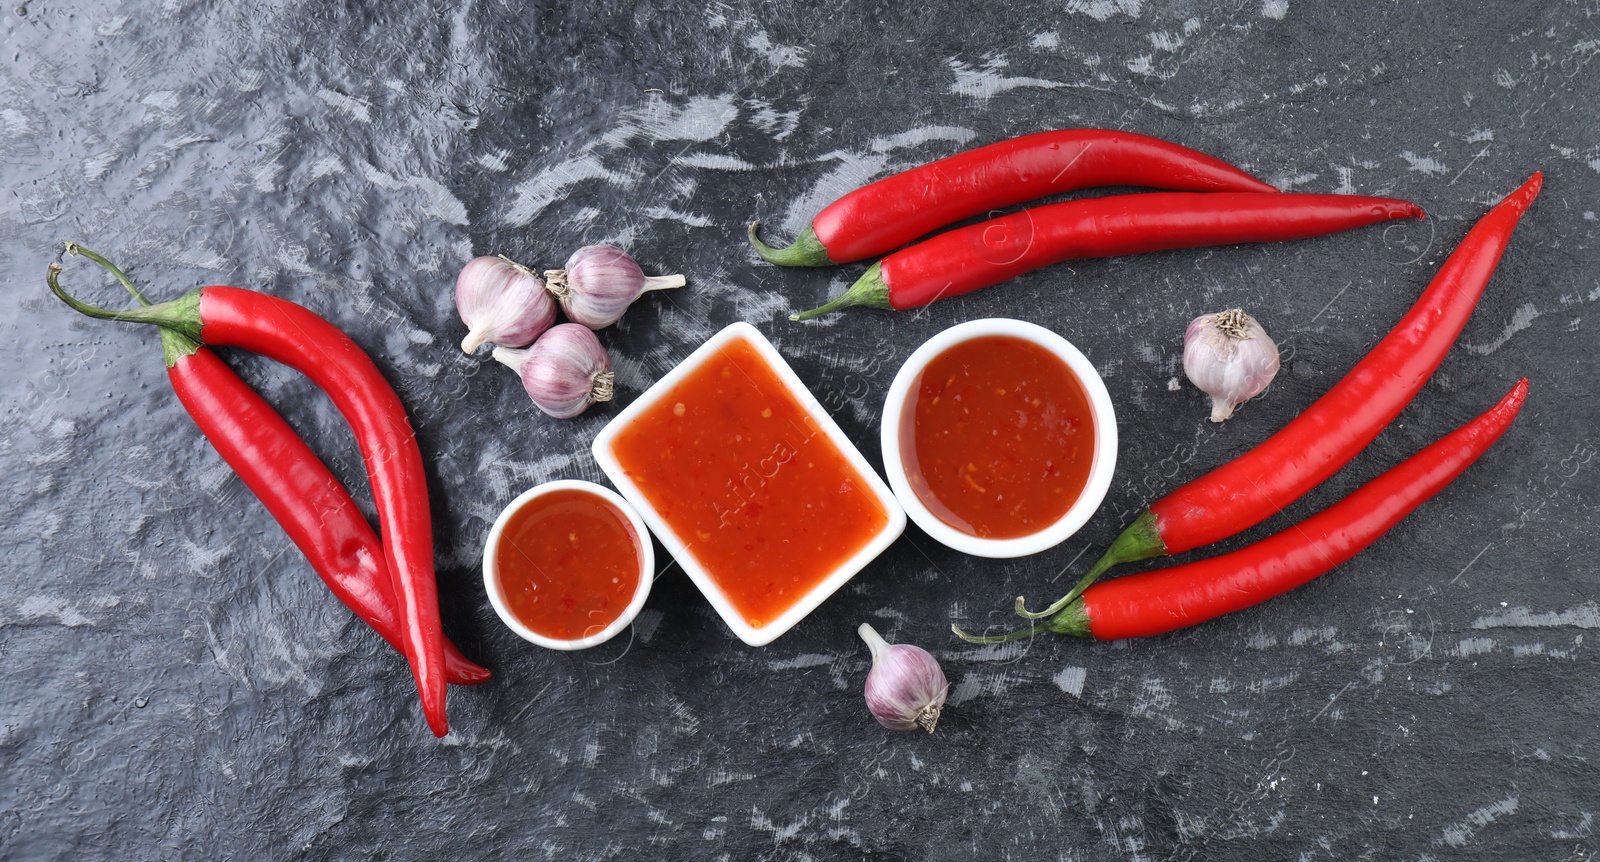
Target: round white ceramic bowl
[
  {"x": 1101, "y": 412},
  {"x": 647, "y": 565}
]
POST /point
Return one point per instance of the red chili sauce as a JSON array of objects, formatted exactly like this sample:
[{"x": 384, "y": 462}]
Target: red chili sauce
[
  {"x": 998, "y": 439},
  {"x": 763, "y": 498},
  {"x": 568, "y": 563}
]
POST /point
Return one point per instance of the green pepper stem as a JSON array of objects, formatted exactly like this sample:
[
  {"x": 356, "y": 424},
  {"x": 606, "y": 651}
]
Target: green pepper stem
[
  {"x": 869, "y": 291},
  {"x": 75, "y": 250},
  {"x": 174, "y": 345},
  {"x": 1014, "y": 635},
  {"x": 1072, "y": 620},
  {"x": 1106, "y": 561},
  {"x": 1141, "y": 540},
  {"x": 806, "y": 250},
  {"x": 181, "y": 315}
]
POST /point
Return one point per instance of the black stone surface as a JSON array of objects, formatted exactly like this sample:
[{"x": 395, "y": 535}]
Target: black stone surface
[{"x": 175, "y": 683}]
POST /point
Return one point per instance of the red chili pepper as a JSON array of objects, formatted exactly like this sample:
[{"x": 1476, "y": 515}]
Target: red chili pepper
[
  {"x": 1315, "y": 444},
  {"x": 294, "y": 336},
  {"x": 977, "y": 256},
  {"x": 895, "y": 210},
  {"x": 290, "y": 480},
  {"x": 306, "y": 499},
  {"x": 299, "y": 491},
  {"x": 1152, "y": 603}
]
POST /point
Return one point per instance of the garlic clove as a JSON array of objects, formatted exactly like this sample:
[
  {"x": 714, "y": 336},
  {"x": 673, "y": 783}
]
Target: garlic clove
[
  {"x": 906, "y": 689},
  {"x": 503, "y": 303},
  {"x": 1229, "y": 356},
  {"x": 600, "y": 282},
  {"x": 564, "y": 372}
]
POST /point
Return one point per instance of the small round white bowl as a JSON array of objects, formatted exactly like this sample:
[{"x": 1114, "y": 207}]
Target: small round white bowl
[
  {"x": 647, "y": 565},
  {"x": 1100, "y": 409}
]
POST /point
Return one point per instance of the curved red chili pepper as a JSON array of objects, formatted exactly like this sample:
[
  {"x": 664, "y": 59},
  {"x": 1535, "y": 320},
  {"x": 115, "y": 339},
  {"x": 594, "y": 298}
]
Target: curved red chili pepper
[
  {"x": 1152, "y": 603},
  {"x": 884, "y": 215},
  {"x": 299, "y": 491},
  {"x": 297, "y": 337},
  {"x": 1316, "y": 443},
  {"x": 306, "y": 499},
  {"x": 987, "y": 253}
]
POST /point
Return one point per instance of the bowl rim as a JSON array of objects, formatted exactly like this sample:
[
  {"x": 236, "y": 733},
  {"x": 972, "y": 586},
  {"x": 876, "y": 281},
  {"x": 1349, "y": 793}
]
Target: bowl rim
[
  {"x": 1101, "y": 411},
  {"x": 894, "y": 526},
  {"x": 647, "y": 564}
]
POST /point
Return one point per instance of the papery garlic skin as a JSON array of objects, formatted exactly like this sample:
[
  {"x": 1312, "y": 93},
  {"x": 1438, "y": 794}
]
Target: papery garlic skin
[
  {"x": 906, "y": 689},
  {"x": 564, "y": 372},
  {"x": 502, "y": 303},
  {"x": 1229, "y": 356},
  {"x": 599, "y": 284}
]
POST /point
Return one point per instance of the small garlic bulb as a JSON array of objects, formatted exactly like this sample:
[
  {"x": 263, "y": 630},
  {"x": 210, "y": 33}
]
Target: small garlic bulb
[
  {"x": 564, "y": 372},
  {"x": 1229, "y": 357},
  {"x": 502, "y": 303},
  {"x": 599, "y": 284},
  {"x": 905, "y": 688}
]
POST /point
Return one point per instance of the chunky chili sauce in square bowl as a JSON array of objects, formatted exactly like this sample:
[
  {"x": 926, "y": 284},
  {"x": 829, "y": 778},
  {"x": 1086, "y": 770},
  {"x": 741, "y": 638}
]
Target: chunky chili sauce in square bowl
[
  {"x": 999, "y": 438},
  {"x": 749, "y": 483}
]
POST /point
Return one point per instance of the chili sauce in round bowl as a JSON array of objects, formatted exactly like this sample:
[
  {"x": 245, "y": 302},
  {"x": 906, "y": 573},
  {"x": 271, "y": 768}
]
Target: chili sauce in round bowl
[
  {"x": 568, "y": 564},
  {"x": 749, "y": 483},
  {"x": 999, "y": 438}
]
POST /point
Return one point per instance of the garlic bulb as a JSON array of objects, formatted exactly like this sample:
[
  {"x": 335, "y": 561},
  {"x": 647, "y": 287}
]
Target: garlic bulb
[
  {"x": 1229, "y": 357},
  {"x": 564, "y": 372},
  {"x": 599, "y": 284},
  {"x": 905, "y": 688},
  {"x": 502, "y": 303}
]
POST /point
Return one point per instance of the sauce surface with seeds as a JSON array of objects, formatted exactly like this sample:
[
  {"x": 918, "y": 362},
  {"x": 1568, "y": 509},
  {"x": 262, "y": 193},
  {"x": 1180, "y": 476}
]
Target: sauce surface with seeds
[
  {"x": 998, "y": 440},
  {"x": 741, "y": 473},
  {"x": 569, "y": 564}
]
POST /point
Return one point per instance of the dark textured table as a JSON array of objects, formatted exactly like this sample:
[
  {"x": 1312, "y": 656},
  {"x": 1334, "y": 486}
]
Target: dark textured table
[{"x": 177, "y": 684}]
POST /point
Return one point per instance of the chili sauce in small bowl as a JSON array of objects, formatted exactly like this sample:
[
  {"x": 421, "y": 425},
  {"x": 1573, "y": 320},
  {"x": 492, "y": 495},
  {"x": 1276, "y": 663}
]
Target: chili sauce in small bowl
[
  {"x": 747, "y": 480},
  {"x": 568, "y": 564},
  {"x": 999, "y": 438}
]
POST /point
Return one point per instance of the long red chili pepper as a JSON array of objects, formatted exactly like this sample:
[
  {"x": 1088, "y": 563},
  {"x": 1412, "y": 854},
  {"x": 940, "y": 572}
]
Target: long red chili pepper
[
  {"x": 1315, "y": 444},
  {"x": 884, "y": 215},
  {"x": 303, "y": 496},
  {"x": 295, "y": 336},
  {"x": 1151, "y": 603},
  {"x": 977, "y": 256}
]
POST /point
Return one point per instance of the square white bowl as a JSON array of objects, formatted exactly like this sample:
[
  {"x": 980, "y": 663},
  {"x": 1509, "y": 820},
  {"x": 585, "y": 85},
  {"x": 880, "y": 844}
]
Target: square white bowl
[{"x": 894, "y": 525}]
